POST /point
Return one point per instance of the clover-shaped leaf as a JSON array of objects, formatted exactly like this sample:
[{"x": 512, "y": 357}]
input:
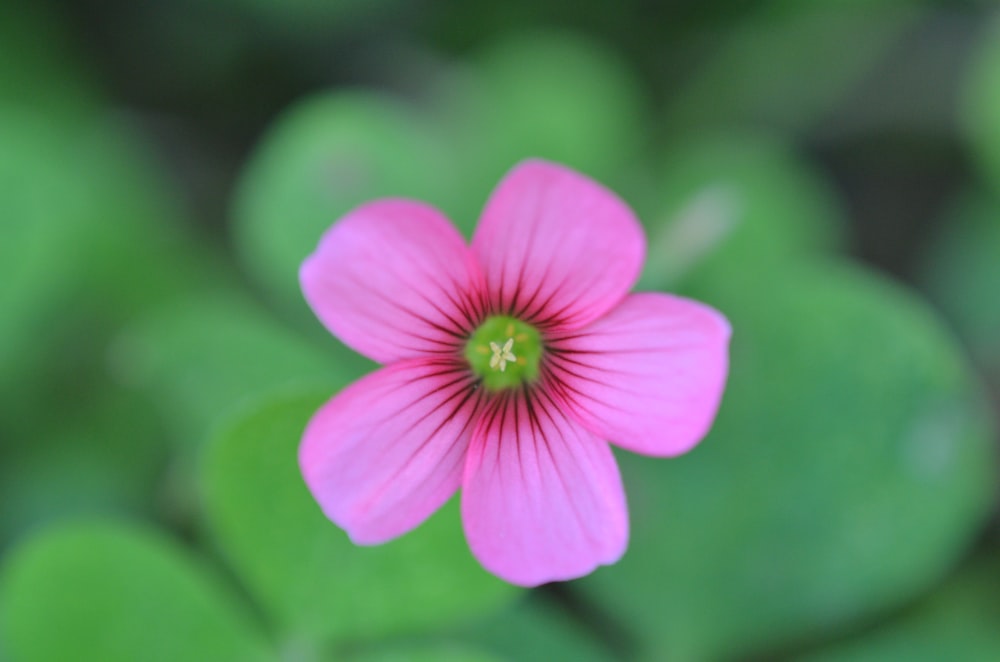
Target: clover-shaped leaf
[
  {"x": 204, "y": 356},
  {"x": 117, "y": 592},
  {"x": 956, "y": 622},
  {"x": 961, "y": 272},
  {"x": 851, "y": 463},
  {"x": 736, "y": 201}
]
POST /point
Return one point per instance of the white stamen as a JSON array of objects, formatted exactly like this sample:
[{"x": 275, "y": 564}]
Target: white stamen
[{"x": 501, "y": 355}]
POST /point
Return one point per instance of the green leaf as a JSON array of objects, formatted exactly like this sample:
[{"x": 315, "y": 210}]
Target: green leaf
[
  {"x": 957, "y": 622},
  {"x": 736, "y": 202},
  {"x": 203, "y": 357},
  {"x": 305, "y": 573},
  {"x": 103, "y": 454},
  {"x": 90, "y": 239},
  {"x": 536, "y": 629},
  {"x": 851, "y": 463},
  {"x": 981, "y": 104},
  {"x": 961, "y": 272},
  {"x": 551, "y": 95},
  {"x": 109, "y": 592},
  {"x": 45, "y": 211},
  {"x": 786, "y": 64},
  {"x": 141, "y": 249},
  {"x": 88, "y": 214},
  {"x": 323, "y": 157},
  {"x": 425, "y": 653}
]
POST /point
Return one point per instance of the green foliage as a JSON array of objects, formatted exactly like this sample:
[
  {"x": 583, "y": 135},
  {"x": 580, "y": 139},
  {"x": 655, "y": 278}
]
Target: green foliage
[
  {"x": 89, "y": 240},
  {"x": 550, "y": 95},
  {"x": 92, "y": 241},
  {"x": 788, "y": 63},
  {"x": 958, "y": 622},
  {"x": 316, "y": 585},
  {"x": 103, "y": 454},
  {"x": 46, "y": 208},
  {"x": 536, "y": 630},
  {"x": 981, "y": 107},
  {"x": 962, "y": 273},
  {"x": 325, "y": 156},
  {"x": 736, "y": 201},
  {"x": 88, "y": 209},
  {"x": 851, "y": 463},
  {"x": 111, "y": 592},
  {"x": 201, "y": 358},
  {"x": 425, "y": 653},
  {"x": 574, "y": 103}
]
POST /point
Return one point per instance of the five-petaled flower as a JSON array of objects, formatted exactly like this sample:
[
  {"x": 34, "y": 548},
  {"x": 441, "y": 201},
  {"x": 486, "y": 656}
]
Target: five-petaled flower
[{"x": 508, "y": 367}]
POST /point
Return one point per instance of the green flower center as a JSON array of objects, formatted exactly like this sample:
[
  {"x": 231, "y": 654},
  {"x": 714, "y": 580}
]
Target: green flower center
[{"x": 504, "y": 352}]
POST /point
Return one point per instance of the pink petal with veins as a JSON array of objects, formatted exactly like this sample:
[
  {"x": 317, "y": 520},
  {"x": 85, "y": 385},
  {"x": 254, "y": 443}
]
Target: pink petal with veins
[
  {"x": 393, "y": 279},
  {"x": 648, "y": 376},
  {"x": 389, "y": 450},
  {"x": 556, "y": 247},
  {"x": 542, "y": 499}
]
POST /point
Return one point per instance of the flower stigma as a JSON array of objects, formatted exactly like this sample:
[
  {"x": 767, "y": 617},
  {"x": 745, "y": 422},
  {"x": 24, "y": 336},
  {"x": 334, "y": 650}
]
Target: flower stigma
[{"x": 504, "y": 353}]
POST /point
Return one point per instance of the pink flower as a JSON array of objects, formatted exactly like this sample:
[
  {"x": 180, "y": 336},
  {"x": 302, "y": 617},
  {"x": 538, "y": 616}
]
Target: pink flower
[{"x": 509, "y": 365}]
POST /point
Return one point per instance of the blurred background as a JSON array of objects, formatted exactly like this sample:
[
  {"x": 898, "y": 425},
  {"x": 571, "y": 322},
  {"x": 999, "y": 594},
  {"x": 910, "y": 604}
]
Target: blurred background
[{"x": 826, "y": 173}]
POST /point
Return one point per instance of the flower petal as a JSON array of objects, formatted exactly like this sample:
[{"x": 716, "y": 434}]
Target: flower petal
[
  {"x": 393, "y": 279},
  {"x": 542, "y": 499},
  {"x": 557, "y": 248},
  {"x": 648, "y": 376},
  {"x": 388, "y": 451}
]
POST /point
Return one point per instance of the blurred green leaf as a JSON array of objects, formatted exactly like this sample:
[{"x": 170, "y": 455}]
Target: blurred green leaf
[
  {"x": 86, "y": 208},
  {"x": 737, "y": 202},
  {"x": 425, "y": 653},
  {"x": 851, "y": 463},
  {"x": 962, "y": 273},
  {"x": 313, "y": 582},
  {"x": 90, "y": 238},
  {"x": 981, "y": 104},
  {"x": 145, "y": 251},
  {"x": 787, "y": 64},
  {"x": 552, "y": 95},
  {"x": 43, "y": 208},
  {"x": 104, "y": 454},
  {"x": 536, "y": 630},
  {"x": 957, "y": 622},
  {"x": 326, "y": 155},
  {"x": 203, "y": 357},
  {"x": 38, "y": 65},
  {"x": 101, "y": 591}
]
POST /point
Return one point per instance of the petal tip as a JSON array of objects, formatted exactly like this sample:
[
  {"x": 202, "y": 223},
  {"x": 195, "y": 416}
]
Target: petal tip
[
  {"x": 531, "y": 577},
  {"x": 548, "y": 505}
]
